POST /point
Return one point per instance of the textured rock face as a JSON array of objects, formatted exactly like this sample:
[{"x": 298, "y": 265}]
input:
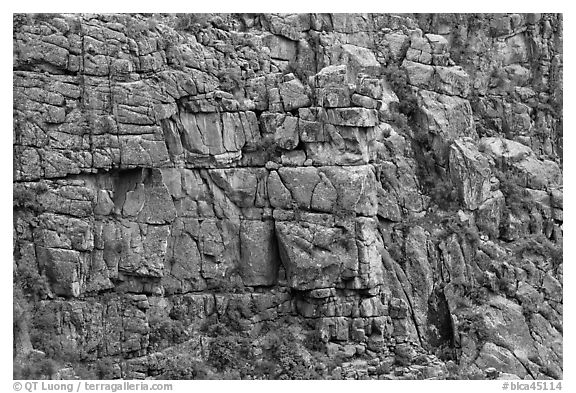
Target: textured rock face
[
  {"x": 471, "y": 173},
  {"x": 392, "y": 183}
]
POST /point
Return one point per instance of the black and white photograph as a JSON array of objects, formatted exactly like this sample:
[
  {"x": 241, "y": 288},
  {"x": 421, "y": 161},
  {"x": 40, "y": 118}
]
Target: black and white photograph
[{"x": 287, "y": 196}]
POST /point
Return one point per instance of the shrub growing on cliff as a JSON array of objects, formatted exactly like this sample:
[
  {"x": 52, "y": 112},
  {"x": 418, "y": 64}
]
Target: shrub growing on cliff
[
  {"x": 19, "y": 20},
  {"x": 313, "y": 341},
  {"x": 44, "y": 17},
  {"x": 294, "y": 68},
  {"x": 24, "y": 198},
  {"x": 136, "y": 27},
  {"x": 473, "y": 324},
  {"x": 286, "y": 350},
  {"x": 230, "y": 81},
  {"x": 183, "y": 366},
  {"x": 540, "y": 245},
  {"x": 399, "y": 81},
  {"x": 441, "y": 192},
  {"x": 229, "y": 351},
  {"x": 400, "y": 123},
  {"x": 517, "y": 199},
  {"x": 34, "y": 285},
  {"x": 105, "y": 369},
  {"x": 192, "y": 22},
  {"x": 167, "y": 330},
  {"x": 35, "y": 369}
]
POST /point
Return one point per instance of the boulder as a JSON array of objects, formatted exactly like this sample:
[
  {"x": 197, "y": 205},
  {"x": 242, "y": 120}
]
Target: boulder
[
  {"x": 397, "y": 44},
  {"x": 259, "y": 260},
  {"x": 280, "y": 196},
  {"x": 202, "y": 133},
  {"x": 183, "y": 267},
  {"x": 420, "y": 75},
  {"x": 491, "y": 355},
  {"x": 293, "y": 95},
  {"x": 311, "y": 131},
  {"x": 363, "y": 101},
  {"x": 446, "y": 118},
  {"x": 333, "y": 76},
  {"x": 452, "y": 81},
  {"x": 358, "y": 59},
  {"x": 352, "y": 117},
  {"x": 280, "y": 47},
  {"x": 244, "y": 187},
  {"x": 505, "y": 150},
  {"x": 284, "y": 127},
  {"x": 318, "y": 251},
  {"x": 526, "y": 169},
  {"x": 317, "y": 255},
  {"x": 489, "y": 214},
  {"x": 300, "y": 183},
  {"x": 333, "y": 97},
  {"x": 355, "y": 188},
  {"x": 62, "y": 269},
  {"x": 470, "y": 173},
  {"x": 342, "y": 145}
]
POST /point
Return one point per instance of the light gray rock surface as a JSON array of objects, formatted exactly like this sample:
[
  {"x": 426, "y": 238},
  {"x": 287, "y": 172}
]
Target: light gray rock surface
[{"x": 356, "y": 196}]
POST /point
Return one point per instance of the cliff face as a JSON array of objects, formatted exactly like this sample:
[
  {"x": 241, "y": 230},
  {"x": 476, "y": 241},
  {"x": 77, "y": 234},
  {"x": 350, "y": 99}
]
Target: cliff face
[{"x": 371, "y": 195}]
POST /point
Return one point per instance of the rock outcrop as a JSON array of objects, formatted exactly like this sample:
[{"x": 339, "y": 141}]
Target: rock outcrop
[{"x": 385, "y": 188}]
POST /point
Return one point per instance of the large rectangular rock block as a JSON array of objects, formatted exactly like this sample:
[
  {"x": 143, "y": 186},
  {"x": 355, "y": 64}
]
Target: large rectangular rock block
[
  {"x": 327, "y": 189},
  {"x": 316, "y": 255},
  {"x": 352, "y": 117},
  {"x": 319, "y": 251},
  {"x": 343, "y": 146},
  {"x": 259, "y": 260},
  {"x": 470, "y": 172}
]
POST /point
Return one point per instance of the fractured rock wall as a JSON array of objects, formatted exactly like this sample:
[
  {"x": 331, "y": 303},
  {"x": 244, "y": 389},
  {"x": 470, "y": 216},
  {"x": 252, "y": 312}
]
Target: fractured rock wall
[{"x": 176, "y": 167}]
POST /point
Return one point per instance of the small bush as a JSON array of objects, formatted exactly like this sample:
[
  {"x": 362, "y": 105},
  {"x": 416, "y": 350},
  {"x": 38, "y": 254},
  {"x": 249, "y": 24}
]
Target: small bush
[
  {"x": 227, "y": 284},
  {"x": 34, "y": 369},
  {"x": 167, "y": 330},
  {"x": 192, "y": 22},
  {"x": 44, "y": 17},
  {"x": 474, "y": 324},
  {"x": 135, "y": 27},
  {"x": 294, "y": 68},
  {"x": 152, "y": 24},
  {"x": 228, "y": 351},
  {"x": 265, "y": 369},
  {"x": 441, "y": 192},
  {"x": 85, "y": 371},
  {"x": 230, "y": 81},
  {"x": 19, "y": 20},
  {"x": 517, "y": 198},
  {"x": 286, "y": 352},
  {"x": 476, "y": 293},
  {"x": 33, "y": 284},
  {"x": 314, "y": 341},
  {"x": 471, "y": 234},
  {"x": 105, "y": 369},
  {"x": 398, "y": 80},
  {"x": 540, "y": 245},
  {"x": 400, "y": 123},
  {"x": 24, "y": 197},
  {"x": 209, "y": 324},
  {"x": 183, "y": 366}
]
